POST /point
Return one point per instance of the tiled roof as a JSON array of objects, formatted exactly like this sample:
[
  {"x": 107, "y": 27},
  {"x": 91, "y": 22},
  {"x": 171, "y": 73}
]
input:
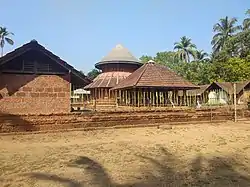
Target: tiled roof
[
  {"x": 34, "y": 45},
  {"x": 155, "y": 75},
  {"x": 199, "y": 91},
  {"x": 226, "y": 86},
  {"x": 107, "y": 80}
]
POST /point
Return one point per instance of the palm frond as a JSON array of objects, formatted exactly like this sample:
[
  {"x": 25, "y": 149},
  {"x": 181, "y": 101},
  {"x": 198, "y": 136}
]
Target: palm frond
[
  {"x": 236, "y": 28},
  {"x": 9, "y": 41},
  {"x": 246, "y": 24},
  {"x": 248, "y": 12},
  {"x": 218, "y": 27}
]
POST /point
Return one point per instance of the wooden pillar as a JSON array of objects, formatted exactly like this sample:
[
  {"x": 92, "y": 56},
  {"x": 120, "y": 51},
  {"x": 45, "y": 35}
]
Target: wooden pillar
[
  {"x": 185, "y": 97},
  {"x": 144, "y": 97},
  {"x": 128, "y": 94},
  {"x": 150, "y": 97},
  {"x": 166, "y": 98},
  {"x": 116, "y": 99},
  {"x": 138, "y": 97},
  {"x": 134, "y": 98},
  {"x": 153, "y": 97},
  {"x": 156, "y": 98},
  {"x": 174, "y": 100}
]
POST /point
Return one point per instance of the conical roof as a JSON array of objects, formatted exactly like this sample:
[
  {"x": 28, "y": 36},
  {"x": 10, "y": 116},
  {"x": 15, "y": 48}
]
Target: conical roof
[
  {"x": 153, "y": 75},
  {"x": 119, "y": 54}
]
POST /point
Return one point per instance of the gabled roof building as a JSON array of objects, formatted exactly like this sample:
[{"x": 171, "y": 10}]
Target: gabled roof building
[{"x": 33, "y": 80}]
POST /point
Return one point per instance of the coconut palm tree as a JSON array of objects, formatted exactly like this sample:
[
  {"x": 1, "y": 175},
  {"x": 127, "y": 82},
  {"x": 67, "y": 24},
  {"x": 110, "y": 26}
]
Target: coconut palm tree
[
  {"x": 4, "y": 37},
  {"x": 185, "y": 48},
  {"x": 224, "y": 30},
  {"x": 246, "y": 22},
  {"x": 201, "y": 55}
]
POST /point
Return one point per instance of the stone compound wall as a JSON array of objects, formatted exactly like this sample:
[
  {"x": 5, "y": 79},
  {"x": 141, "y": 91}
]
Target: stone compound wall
[
  {"x": 24, "y": 123},
  {"x": 34, "y": 94}
]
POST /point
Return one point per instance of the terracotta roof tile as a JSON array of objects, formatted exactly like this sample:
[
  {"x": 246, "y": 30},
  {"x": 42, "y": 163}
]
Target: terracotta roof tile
[
  {"x": 152, "y": 74},
  {"x": 107, "y": 80}
]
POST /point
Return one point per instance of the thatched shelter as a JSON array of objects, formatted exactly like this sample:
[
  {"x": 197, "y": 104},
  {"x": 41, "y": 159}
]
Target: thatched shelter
[
  {"x": 115, "y": 67},
  {"x": 152, "y": 84}
]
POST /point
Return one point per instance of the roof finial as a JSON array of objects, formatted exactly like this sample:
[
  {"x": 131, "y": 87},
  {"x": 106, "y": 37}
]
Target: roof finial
[
  {"x": 151, "y": 62},
  {"x": 118, "y": 46}
]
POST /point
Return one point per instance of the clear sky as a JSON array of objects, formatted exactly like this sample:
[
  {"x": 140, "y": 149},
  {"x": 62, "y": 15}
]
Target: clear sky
[{"x": 83, "y": 31}]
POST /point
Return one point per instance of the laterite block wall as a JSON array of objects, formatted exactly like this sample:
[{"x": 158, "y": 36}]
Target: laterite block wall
[
  {"x": 24, "y": 123},
  {"x": 34, "y": 94}
]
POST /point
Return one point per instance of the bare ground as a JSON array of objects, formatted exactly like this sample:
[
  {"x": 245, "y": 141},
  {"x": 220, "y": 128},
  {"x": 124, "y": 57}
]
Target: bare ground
[{"x": 193, "y": 155}]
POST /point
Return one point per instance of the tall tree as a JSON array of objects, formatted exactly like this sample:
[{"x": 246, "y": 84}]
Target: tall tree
[
  {"x": 5, "y": 37},
  {"x": 246, "y": 22},
  {"x": 201, "y": 55},
  {"x": 185, "y": 48},
  {"x": 224, "y": 30}
]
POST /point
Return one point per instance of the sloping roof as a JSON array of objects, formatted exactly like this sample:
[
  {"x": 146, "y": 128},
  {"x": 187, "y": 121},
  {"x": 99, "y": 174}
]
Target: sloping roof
[
  {"x": 199, "y": 91},
  {"x": 229, "y": 86},
  {"x": 226, "y": 86},
  {"x": 155, "y": 75},
  {"x": 118, "y": 54},
  {"x": 34, "y": 45},
  {"x": 107, "y": 80},
  {"x": 241, "y": 85}
]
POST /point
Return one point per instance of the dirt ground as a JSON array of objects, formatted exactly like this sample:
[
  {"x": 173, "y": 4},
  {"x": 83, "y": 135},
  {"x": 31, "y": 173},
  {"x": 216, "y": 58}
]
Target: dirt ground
[{"x": 187, "y": 155}]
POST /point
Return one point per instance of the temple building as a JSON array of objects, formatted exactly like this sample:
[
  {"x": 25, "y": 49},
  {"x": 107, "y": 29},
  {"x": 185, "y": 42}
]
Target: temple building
[
  {"x": 115, "y": 67},
  {"x": 153, "y": 85}
]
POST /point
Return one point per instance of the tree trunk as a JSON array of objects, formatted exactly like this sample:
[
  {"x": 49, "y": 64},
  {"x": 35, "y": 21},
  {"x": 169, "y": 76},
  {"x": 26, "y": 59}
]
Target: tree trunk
[{"x": 1, "y": 51}]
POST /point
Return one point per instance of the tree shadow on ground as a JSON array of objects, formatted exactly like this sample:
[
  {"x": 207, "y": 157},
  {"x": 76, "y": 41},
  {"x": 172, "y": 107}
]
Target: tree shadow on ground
[
  {"x": 164, "y": 169},
  {"x": 55, "y": 178},
  {"x": 14, "y": 123},
  {"x": 168, "y": 170}
]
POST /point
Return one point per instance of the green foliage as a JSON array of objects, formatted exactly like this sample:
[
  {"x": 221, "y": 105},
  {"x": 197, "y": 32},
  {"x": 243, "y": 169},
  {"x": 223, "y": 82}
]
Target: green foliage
[
  {"x": 223, "y": 31},
  {"x": 246, "y": 22},
  {"x": 4, "y": 37},
  {"x": 145, "y": 58},
  {"x": 93, "y": 74},
  {"x": 198, "y": 72},
  {"x": 185, "y": 48},
  {"x": 230, "y": 60},
  {"x": 201, "y": 55},
  {"x": 236, "y": 69}
]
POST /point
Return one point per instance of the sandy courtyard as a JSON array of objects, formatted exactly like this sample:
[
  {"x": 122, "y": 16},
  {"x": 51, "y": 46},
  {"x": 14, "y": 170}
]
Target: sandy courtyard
[{"x": 194, "y": 155}]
